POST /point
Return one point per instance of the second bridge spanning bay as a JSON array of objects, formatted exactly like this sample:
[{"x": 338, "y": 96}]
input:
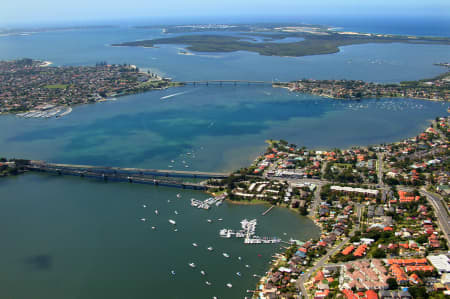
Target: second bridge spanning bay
[{"x": 233, "y": 82}]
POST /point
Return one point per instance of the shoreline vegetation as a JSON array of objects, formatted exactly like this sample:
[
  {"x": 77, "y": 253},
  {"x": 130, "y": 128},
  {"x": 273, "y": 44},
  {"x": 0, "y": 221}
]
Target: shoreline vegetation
[
  {"x": 433, "y": 89},
  {"x": 35, "y": 88},
  {"x": 46, "y": 91},
  {"x": 334, "y": 188},
  {"x": 368, "y": 197},
  {"x": 316, "y": 39}
]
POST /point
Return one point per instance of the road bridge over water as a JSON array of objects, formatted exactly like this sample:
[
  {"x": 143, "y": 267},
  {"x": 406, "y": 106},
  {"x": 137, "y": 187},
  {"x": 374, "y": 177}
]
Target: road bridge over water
[
  {"x": 170, "y": 178},
  {"x": 232, "y": 82}
]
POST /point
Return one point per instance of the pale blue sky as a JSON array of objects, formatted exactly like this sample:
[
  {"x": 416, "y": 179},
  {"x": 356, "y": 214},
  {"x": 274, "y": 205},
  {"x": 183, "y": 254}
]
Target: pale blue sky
[{"x": 49, "y": 11}]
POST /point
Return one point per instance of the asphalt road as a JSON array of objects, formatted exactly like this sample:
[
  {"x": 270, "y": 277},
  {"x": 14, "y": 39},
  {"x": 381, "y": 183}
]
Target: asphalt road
[{"x": 440, "y": 212}]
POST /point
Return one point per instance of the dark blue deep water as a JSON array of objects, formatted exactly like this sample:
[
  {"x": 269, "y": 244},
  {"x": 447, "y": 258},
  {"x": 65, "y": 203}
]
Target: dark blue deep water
[{"x": 72, "y": 238}]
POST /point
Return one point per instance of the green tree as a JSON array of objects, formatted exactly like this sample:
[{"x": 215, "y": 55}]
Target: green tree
[
  {"x": 392, "y": 283},
  {"x": 379, "y": 253}
]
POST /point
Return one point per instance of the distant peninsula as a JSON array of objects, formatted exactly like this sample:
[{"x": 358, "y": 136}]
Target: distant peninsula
[
  {"x": 34, "y": 30},
  {"x": 433, "y": 89},
  {"x": 35, "y": 86},
  {"x": 313, "y": 39}
]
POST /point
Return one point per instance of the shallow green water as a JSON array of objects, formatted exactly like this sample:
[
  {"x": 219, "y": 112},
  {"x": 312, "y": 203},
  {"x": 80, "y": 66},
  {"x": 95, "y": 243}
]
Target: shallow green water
[{"x": 67, "y": 237}]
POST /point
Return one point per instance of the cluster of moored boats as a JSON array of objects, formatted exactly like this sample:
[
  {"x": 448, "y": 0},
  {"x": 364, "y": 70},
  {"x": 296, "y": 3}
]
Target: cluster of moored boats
[
  {"x": 171, "y": 221},
  {"x": 57, "y": 112},
  {"x": 207, "y": 203},
  {"x": 203, "y": 272},
  {"x": 248, "y": 226}
]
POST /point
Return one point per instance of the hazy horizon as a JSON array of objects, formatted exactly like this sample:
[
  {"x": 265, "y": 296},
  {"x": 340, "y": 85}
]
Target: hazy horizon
[{"x": 51, "y": 12}]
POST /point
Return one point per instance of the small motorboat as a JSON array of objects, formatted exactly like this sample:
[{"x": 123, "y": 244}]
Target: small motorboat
[
  {"x": 203, "y": 272},
  {"x": 194, "y": 244},
  {"x": 192, "y": 265},
  {"x": 143, "y": 219},
  {"x": 238, "y": 274},
  {"x": 226, "y": 255},
  {"x": 175, "y": 230},
  {"x": 156, "y": 212},
  {"x": 153, "y": 227},
  {"x": 172, "y": 272},
  {"x": 210, "y": 248},
  {"x": 144, "y": 205},
  {"x": 220, "y": 219},
  {"x": 176, "y": 212},
  {"x": 247, "y": 266},
  {"x": 209, "y": 220},
  {"x": 172, "y": 221},
  {"x": 208, "y": 283},
  {"x": 239, "y": 258},
  {"x": 178, "y": 195},
  {"x": 229, "y": 285}
]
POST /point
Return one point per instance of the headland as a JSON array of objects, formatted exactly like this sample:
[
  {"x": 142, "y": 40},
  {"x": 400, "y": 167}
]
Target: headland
[
  {"x": 34, "y": 86},
  {"x": 316, "y": 39}
]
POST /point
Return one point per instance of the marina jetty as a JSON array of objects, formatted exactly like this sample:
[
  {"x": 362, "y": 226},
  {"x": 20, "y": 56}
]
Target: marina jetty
[
  {"x": 248, "y": 233},
  {"x": 33, "y": 88}
]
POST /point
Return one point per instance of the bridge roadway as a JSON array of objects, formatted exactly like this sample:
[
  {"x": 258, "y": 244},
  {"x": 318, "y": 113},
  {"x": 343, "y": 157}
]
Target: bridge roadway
[
  {"x": 107, "y": 170},
  {"x": 119, "y": 177},
  {"x": 234, "y": 82}
]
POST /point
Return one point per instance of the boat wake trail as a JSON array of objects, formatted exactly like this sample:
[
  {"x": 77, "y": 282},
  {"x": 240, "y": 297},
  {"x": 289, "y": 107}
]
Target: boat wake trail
[{"x": 175, "y": 94}]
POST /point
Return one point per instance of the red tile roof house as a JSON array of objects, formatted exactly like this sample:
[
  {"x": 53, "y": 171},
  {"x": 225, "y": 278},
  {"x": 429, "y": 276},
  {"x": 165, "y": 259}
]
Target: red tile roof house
[
  {"x": 433, "y": 241},
  {"x": 370, "y": 294},
  {"x": 414, "y": 278},
  {"x": 407, "y": 196},
  {"x": 348, "y": 250},
  {"x": 319, "y": 277},
  {"x": 360, "y": 251},
  {"x": 399, "y": 274}
]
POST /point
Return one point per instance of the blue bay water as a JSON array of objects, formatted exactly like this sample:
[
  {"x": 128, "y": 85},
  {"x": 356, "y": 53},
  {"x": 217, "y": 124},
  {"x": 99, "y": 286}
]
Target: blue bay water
[
  {"x": 74, "y": 238},
  {"x": 223, "y": 128}
]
